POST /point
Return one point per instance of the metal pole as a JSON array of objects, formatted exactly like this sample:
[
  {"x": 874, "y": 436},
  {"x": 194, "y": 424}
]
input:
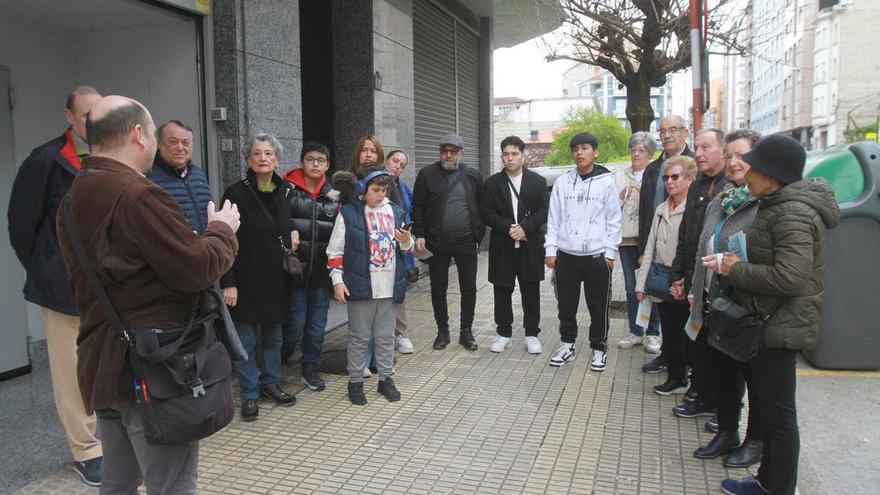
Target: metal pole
[{"x": 696, "y": 65}]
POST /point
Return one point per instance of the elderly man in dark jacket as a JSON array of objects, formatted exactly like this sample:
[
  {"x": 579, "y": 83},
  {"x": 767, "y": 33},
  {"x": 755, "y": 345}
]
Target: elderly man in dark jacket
[
  {"x": 709, "y": 144},
  {"x": 783, "y": 279},
  {"x": 514, "y": 204},
  {"x": 153, "y": 267},
  {"x": 43, "y": 179},
  {"x": 176, "y": 173},
  {"x": 446, "y": 222}
]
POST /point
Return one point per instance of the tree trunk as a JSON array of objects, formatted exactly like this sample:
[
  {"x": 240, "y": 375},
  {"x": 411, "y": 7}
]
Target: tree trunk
[{"x": 638, "y": 105}]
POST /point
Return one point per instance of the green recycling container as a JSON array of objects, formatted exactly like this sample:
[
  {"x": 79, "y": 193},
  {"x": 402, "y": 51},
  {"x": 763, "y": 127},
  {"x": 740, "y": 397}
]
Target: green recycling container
[{"x": 850, "y": 334}]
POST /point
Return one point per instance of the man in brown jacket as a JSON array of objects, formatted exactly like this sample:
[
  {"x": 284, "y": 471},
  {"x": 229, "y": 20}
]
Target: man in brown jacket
[{"x": 153, "y": 267}]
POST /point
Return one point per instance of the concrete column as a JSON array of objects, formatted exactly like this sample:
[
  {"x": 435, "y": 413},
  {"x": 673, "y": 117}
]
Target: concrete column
[
  {"x": 258, "y": 76},
  {"x": 487, "y": 147}
]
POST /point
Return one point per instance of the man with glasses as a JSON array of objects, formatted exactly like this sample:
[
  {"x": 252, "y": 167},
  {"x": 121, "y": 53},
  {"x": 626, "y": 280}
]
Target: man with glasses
[
  {"x": 176, "y": 173},
  {"x": 447, "y": 226},
  {"x": 313, "y": 209},
  {"x": 673, "y": 136}
]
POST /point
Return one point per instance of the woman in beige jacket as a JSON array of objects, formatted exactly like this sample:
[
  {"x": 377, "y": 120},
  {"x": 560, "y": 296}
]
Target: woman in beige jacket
[{"x": 660, "y": 248}]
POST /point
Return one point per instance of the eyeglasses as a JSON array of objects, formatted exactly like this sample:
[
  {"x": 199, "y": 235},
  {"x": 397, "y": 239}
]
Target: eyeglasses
[
  {"x": 670, "y": 130},
  {"x": 639, "y": 151},
  {"x": 310, "y": 160},
  {"x": 449, "y": 151},
  {"x": 674, "y": 177}
]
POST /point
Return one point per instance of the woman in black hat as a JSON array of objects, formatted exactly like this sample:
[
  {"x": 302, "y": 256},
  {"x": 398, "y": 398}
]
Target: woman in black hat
[{"x": 783, "y": 279}]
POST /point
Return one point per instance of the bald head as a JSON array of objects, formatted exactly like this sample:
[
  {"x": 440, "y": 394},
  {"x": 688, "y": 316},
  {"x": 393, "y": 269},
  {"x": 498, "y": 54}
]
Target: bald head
[
  {"x": 121, "y": 128},
  {"x": 673, "y": 134}
]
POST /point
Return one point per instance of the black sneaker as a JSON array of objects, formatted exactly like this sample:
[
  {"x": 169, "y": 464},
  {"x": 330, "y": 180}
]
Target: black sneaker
[
  {"x": 89, "y": 471},
  {"x": 387, "y": 388},
  {"x": 274, "y": 393},
  {"x": 693, "y": 409},
  {"x": 356, "y": 393},
  {"x": 250, "y": 410},
  {"x": 711, "y": 424},
  {"x": 466, "y": 339},
  {"x": 656, "y": 365},
  {"x": 311, "y": 378},
  {"x": 691, "y": 394},
  {"x": 442, "y": 340},
  {"x": 671, "y": 386}
]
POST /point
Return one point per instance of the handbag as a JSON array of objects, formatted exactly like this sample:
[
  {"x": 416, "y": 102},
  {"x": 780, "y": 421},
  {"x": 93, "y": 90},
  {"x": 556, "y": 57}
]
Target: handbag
[
  {"x": 735, "y": 330},
  {"x": 180, "y": 376},
  {"x": 289, "y": 260},
  {"x": 659, "y": 281}
]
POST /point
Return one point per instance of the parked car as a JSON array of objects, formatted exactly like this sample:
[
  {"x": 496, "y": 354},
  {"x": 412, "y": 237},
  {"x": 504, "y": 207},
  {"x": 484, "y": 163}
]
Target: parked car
[{"x": 550, "y": 174}]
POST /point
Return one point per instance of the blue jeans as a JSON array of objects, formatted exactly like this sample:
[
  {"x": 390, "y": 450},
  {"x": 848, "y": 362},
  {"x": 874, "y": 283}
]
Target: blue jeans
[
  {"x": 308, "y": 321},
  {"x": 629, "y": 257},
  {"x": 270, "y": 357}
]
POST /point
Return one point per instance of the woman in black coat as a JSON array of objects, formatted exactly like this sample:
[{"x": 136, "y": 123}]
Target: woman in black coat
[
  {"x": 516, "y": 244},
  {"x": 257, "y": 288}
]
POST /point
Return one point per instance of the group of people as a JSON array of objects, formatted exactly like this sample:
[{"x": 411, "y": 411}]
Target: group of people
[{"x": 733, "y": 216}]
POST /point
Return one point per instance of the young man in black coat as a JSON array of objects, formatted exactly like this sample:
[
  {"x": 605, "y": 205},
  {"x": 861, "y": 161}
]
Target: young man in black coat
[{"x": 514, "y": 204}]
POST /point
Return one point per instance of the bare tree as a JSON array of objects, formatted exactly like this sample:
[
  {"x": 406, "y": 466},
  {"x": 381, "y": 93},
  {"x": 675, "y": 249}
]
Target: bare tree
[{"x": 640, "y": 42}]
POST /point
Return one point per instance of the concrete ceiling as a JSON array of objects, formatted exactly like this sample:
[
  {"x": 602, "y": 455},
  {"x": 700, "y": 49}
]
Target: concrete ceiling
[
  {"x": 516, "y": 21},
  {"x": 67, "y": 17}
]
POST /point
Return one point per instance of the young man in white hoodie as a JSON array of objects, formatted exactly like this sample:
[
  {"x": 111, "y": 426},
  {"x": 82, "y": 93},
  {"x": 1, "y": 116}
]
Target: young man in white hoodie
[{"x": 583, "y": 233}]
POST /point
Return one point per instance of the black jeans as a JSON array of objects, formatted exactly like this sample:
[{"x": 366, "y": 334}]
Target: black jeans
[
  {"x": 731, "y": 377},
  {"x": 465, "y": 256},
  {"x": 698, "y": 354},
  {"x": 673, "y": 317},
  {"x": 530, "y": 294},
  {"x": 595, "y": 275},
  {"x": 775, "y": 386}
]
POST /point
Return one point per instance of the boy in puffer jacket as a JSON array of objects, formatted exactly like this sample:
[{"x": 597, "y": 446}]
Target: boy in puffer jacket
[
  {"x": 583, "y": 233},
  {"x": 369, "y": 275}
]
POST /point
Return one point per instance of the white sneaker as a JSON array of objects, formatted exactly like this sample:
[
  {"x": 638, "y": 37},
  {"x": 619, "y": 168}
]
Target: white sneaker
[
  {"x": 367, "y": 373},
  {"x": 562, "y": 355},
  {"x": 500, "y": 343},
  {"x": 404, "y": 345},
  {"x": 597, "y": 361},
  {"x": 630, "y": 341},
  {"x": 533, "y": 345},
  {"x": 653, "y": 344}
]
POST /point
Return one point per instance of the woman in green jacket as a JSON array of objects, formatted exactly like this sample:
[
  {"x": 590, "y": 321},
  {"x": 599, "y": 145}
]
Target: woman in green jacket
[{"x": 783, "y": 278}]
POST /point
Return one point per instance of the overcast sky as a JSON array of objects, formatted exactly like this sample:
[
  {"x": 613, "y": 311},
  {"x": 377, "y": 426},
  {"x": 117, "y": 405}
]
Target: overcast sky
[{"x": 522, "y": 71}]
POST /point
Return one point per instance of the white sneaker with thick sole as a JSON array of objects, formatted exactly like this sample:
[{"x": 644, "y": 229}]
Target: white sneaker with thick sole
[
  {"x": 500, "y": 343},
  {"x": 597, "y": 360},
  {"x": 630, "y": 341},
  {"x": 652, "y": 345},
  {"x": 404, "y": 345},
  {"x": 533, "y": 345},
  {"x": 562, "y": 355},
  {"x": 367, "y": 373}
]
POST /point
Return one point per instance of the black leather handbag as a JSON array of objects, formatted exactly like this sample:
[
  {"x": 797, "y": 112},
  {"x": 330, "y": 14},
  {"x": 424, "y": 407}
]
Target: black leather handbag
[
  {"x": 180, "y": 376},
  {"x": 658, "y": 281},
  {"x": 735, "y": 330}
]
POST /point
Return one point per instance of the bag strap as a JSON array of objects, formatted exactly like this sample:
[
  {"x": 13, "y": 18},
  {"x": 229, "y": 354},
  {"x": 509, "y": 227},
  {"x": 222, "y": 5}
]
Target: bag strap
[
  {"x": 284, "y": 248},
  {"x": 96, "y": 284},
  {"x": 518, "y": 200}
]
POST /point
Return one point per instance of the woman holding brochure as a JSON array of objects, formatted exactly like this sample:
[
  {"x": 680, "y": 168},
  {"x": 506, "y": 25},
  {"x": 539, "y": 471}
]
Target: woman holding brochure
[
  {"x": 660, "y": 250},
  {"x": 728, "y": 218}
]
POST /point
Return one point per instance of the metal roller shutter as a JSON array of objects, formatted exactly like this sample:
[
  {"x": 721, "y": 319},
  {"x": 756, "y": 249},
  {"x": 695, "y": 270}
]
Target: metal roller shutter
[{"x": 446, "y": 82}]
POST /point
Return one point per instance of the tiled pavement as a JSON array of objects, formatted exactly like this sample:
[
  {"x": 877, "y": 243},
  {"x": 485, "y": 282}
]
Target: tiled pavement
[{"x": 469, "y": 422}]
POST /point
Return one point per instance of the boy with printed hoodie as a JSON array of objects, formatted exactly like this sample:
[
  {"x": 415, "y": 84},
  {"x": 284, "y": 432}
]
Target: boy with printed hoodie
[
  {"x": 369, "y": 275},
  {"x": 583, "y": 233}
]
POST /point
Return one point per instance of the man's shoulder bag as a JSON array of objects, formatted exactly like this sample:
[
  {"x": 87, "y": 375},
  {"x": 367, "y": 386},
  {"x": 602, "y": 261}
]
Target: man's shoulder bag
[{"x": 181, "y": 376}]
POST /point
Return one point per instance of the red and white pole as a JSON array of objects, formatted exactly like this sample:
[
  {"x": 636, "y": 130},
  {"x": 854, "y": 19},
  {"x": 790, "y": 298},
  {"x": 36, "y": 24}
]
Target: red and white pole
[{"x": 696, "y": 64}]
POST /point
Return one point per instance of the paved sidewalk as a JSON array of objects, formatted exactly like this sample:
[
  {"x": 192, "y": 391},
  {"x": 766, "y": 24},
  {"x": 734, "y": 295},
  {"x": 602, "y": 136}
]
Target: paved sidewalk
[{"x": 469, "y": 422}]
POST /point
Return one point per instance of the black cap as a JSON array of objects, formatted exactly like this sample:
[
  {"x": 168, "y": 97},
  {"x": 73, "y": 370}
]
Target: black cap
[
  {"x": 453, "y": 140},
  {"x": 583, "y": 138},
  {"x": 778, "y": 156}
]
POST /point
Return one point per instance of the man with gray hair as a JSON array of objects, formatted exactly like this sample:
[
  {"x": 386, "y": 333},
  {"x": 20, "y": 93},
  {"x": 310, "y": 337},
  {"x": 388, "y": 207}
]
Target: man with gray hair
[
  {"x": 447, "y": 223},
  {"x": 43, "y": 179},
  {"x": 176, "y": 173}
]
